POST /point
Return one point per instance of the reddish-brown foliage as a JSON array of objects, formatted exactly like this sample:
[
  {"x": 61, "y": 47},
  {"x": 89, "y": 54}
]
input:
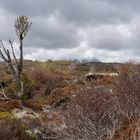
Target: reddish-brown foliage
[
  {"x": 128, "y": 130},
  {"x": 8, "y": 105},
  {"x": 45, "y": 81},
  {"x": 95, "y": 113},
  {"x": 36, "y": 104}
]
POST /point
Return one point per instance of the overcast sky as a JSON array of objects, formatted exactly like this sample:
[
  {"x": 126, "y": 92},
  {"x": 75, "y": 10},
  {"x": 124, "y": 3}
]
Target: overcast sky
[{"x": 108, "y": 30}]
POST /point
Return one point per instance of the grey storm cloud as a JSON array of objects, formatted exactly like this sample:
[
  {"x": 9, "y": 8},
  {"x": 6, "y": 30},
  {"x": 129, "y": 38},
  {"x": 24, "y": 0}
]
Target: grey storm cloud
[{"x": 76, "y": 28}]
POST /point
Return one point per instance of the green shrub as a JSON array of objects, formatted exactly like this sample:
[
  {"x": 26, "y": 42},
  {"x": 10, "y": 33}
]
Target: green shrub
[
  {"x": 5, "y": 115},
  {"x": 29, "y": 85}
]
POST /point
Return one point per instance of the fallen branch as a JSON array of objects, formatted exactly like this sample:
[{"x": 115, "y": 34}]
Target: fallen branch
[{"x": 3, "y": 95}]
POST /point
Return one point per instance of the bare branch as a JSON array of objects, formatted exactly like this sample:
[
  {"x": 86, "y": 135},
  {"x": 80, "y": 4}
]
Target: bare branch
[
  {"x": 3, "y": 57},
  {"x": 12, "y": 48},
  {"x": 3, "y": 47},
  {"x": 4, "y": 53},
  {"x": 9, "y": 56}
]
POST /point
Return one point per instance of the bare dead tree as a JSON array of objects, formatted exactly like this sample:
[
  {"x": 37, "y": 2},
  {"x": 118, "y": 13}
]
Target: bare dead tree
[{"x": 22, "y": 26}]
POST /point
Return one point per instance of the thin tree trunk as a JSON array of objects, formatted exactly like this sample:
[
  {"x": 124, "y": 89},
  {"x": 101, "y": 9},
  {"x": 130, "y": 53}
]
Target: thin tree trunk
[
  {"x": 21, "y": 93},
  {"x": 20, "y": 69}
]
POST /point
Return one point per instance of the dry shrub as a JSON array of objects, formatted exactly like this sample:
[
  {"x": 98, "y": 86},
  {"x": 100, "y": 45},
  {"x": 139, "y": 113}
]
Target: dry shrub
[
  {"x": 103, "y": 80},
  {"x": 127, "y": 90},
  {"x": 30, "y": 123},
  {"x": 55, "y": 95},
  {"x": 72, "y": 88},
  {"x": 106, "y": 80},
  {"x": 12, "y": 129},
  {"x": 8, "y": 105},
  {"x": 128, "y": 130},
  {"x": 45, "y": 80},
  {"x": 36, "y": 104},
  {"x": 91, "y": 115},
  {"x": 5, "y": 79},
  {"x": 61, "y": 96},
  {"x": 96, "y": 113}
]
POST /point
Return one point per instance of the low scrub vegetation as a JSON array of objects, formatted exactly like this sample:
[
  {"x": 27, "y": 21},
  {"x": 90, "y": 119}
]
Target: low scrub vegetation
[
  {"x": 104, "y": 112},
  {"x": 12, "y": 129},
  {"x": 74, "y": 109}
]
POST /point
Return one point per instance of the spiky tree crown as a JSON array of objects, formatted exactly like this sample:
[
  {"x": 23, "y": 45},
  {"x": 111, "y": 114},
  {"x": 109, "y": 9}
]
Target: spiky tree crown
[{"x": 22, "y": 26}]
